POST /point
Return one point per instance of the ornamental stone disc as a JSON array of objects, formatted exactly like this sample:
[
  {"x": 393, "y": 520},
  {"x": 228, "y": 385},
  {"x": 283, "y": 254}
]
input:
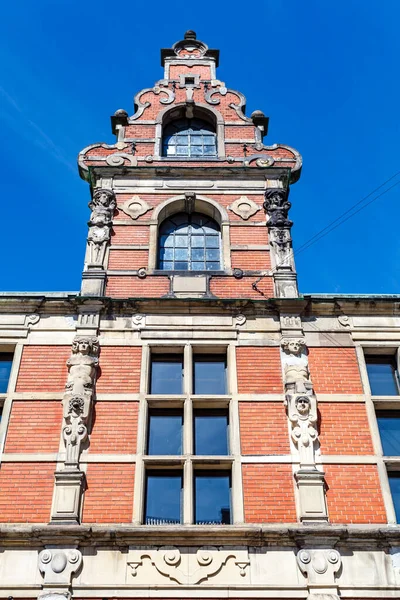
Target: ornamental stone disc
[
  {"x": 135, "y": 207},
  {"x": 244, "y": 207}
]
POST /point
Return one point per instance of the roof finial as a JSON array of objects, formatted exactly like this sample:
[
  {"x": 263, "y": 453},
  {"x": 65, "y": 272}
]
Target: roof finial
[{"x": 190, "y": 35}]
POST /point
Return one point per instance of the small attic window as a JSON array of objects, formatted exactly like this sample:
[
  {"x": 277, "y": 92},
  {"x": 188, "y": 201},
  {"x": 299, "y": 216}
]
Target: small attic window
[
  {"x": 189, "y": 138},
  {"x": 189, "y": 81}
]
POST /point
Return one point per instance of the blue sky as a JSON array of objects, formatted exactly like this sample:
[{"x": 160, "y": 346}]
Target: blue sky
[{"x": 325, "y": 72}]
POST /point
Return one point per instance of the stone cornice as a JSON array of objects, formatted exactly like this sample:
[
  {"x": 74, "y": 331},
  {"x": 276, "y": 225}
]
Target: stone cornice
[{"x": 247, "y": 535}]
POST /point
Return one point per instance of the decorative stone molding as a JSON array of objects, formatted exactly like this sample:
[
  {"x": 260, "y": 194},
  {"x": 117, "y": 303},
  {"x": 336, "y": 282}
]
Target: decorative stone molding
[
  {"x": 320, "y": 567},
  {"x": 32, "y": 319},
  {"x": 57, "y": 565},
  {"x": 244, "y": 207},
  {"x": 262, "y": 160},
  {"x": 191, "y": 568},
  {"x": 344, "y": 320},
  {"x": 277, "y": 206},
  {"x": 240, "y": 319},
  {"x": 135, "y": 207},
  {"x": 217, "y": 88},
  {"x": 102, "y": 207},
  {"x": 139, "y": 320}
]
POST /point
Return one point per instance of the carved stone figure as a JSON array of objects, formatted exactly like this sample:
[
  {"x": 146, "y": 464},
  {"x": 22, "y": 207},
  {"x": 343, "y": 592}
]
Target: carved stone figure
[
  {"x": 293, "y": 345},
  {"x": 102, "y": 207},
  {"x": 82, "y": 367},
  {"x": 277, "y": 206},
  {"x": 282, "y": 243}
]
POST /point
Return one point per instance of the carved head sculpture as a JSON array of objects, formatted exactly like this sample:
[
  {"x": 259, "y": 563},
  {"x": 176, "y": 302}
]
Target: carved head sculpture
[
  {"x": 103, "y": 199},
  {"x": 303, "y": 405},
  {"x": 293, "y": 345},
  {"x": 85, "y": 345},
  {"x": 76, "y": 405}
]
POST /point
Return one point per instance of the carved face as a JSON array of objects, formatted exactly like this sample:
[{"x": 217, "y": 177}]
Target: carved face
[
  {"x": 303, "y": 405},
  {"x": 84, "y": 346}
]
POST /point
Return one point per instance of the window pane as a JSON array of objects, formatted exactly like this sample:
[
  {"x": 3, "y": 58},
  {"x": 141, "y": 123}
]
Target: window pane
[
  {"x": 212, "y": 497},
  {"x": 209, "y": 374},
  {"x": 182, "y": 150},
  {"x": 198, "y": 254},
  {"x": 181, "y": 266},
  {"x": 165, "y": 432},
  {"x": 382, "y": 375},
  {"x": 181, "y": 241},
  {"x": 212, "y": 241},
  {"x": 166, "y": 374},
  {"x": 212, "y": 266},
  {"x": 394, "y": 482},
  {"x": 209, "y": 150},
  {"x": 389, "y": 429},
  {"x": 196, "y": 150},
  {"x": 163, "y": 498},
  {"x": 5, "y": 369},
  {"x": 166, "y": 266},
  {"x": 211, "y": 432},
  {"x": 197, "y": 241},
  {"x": 198, "y": 266},
  {"x": 212, "y": 254},
  {"x": 167, "y": 254}
]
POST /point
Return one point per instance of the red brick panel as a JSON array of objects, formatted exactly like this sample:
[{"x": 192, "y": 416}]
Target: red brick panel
[
  {"x": 268, "y": 494},
  {"x": 229, "y": 287},
  {"x": 26, "y": 492},
  {"x": 128, "y": 260},
  {"x": 239, "y": 131},
  {"x": 242, "y": 236},
  {"x": 109, "y": 494},
  {"x": 34, "y": 427},
  {"x": 133, "y": 287},
  {"x": 119, "y": 370},
  {"x": 335, "y": 371},
  {"x": 259, "y": 370},
  {"x": 251, "y": 260},
  {"x": 125, "y": 234},
  {"x": 354, "y": 494},
  {"x": 263, "y": 428},
  {"x": 43, "y": 369},
  {"x": 344, "y": 428},
  {"x": 114, "y": 428}
]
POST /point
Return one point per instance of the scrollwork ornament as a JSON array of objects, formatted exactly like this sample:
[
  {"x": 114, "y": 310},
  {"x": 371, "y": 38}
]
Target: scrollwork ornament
[{"x": 277, "y": 206}]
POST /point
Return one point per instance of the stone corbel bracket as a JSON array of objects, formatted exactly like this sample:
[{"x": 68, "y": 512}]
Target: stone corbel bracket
[
  {"x": 57, "y": 565},
  {"x": 320, "y": 567}
]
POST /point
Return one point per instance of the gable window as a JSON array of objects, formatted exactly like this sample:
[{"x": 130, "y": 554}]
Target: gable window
[
  {"x": 190, "y": 138},
  {"x": 189, "y": 243}
]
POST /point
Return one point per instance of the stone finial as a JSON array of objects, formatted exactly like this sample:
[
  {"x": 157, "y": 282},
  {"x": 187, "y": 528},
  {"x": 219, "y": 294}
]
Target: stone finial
[{"x": 190, "y": 35}]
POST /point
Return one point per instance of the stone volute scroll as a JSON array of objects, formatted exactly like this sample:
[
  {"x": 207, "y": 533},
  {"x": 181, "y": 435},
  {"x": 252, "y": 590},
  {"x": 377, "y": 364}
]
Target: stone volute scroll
[
  {"x": 320, "y": 566},
  {"x": 279, "y": 225},
  {"x": 77, "y": 408},
  {"x": 301, "y": 405}
]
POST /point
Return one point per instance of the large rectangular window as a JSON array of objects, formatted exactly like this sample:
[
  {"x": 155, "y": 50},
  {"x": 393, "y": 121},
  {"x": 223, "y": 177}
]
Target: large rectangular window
[
  {"x": 210, "y": 432},
  {"x": 166, "y": 374},
  {"x": 5, "y": 370},
  {"x": 212, "y": 502},
  {"x": 389, "y": 429},
  {"x": 163, "y": 498},
  {"x": 165, "y": 432},
  {"x": 382, "y": 375},
  {"x": 394, "y": 482},
  {"x": 209, "y": 374}
]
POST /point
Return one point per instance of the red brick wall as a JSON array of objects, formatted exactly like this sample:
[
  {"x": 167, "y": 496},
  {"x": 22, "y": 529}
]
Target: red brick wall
[
  {"x": 251, "y": 260},
  {"x": 263, "y": 428},
  {"x": 119, "y": 370},
  {"x": 133, "y": 287},
  {"x": 26, "y": 492},
  {"x": 43, "y": 369},
  {"x": 229, "y": 287},
  {"x": 114, "y": 428},
  {"x": 354, "y": 494},
  {"x": 34, "y": 427},
  {"x": 126, "y": 234},
  {"x": 335, "y": 371},
  {"x": 268, "y": 494},
  {"x": 259, "y": 370},
  {"x": 109, "y": 494},
  {"x": 127, "y": 260},
  {"x": 248, "y": 235},
  {"x": 344, "y": 428}
]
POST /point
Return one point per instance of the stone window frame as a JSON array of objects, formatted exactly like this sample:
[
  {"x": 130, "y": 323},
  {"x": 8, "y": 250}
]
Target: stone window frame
[
  {"x": 200, "y": 111},
  {"x": 385, "y": 464},
  {"x": 188, "y": 462},
  {"x": 201, "y": 204}
]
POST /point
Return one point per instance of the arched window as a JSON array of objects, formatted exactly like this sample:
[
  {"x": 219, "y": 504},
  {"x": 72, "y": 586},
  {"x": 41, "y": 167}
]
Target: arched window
[
  {"x": 189, "y": 243},
  {"x": 189, "y": 138}
]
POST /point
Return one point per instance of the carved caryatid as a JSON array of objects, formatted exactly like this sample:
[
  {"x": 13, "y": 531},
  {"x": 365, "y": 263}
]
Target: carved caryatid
[
  {"x": 102, "y": 206},
  {"x": 277, "y": 206},
  {"x": 300, "y": 400},
  {"x": 82, "y": 368}
]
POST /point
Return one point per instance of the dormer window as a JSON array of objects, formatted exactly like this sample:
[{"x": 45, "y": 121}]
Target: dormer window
[{"x": 189, "y": 138}]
